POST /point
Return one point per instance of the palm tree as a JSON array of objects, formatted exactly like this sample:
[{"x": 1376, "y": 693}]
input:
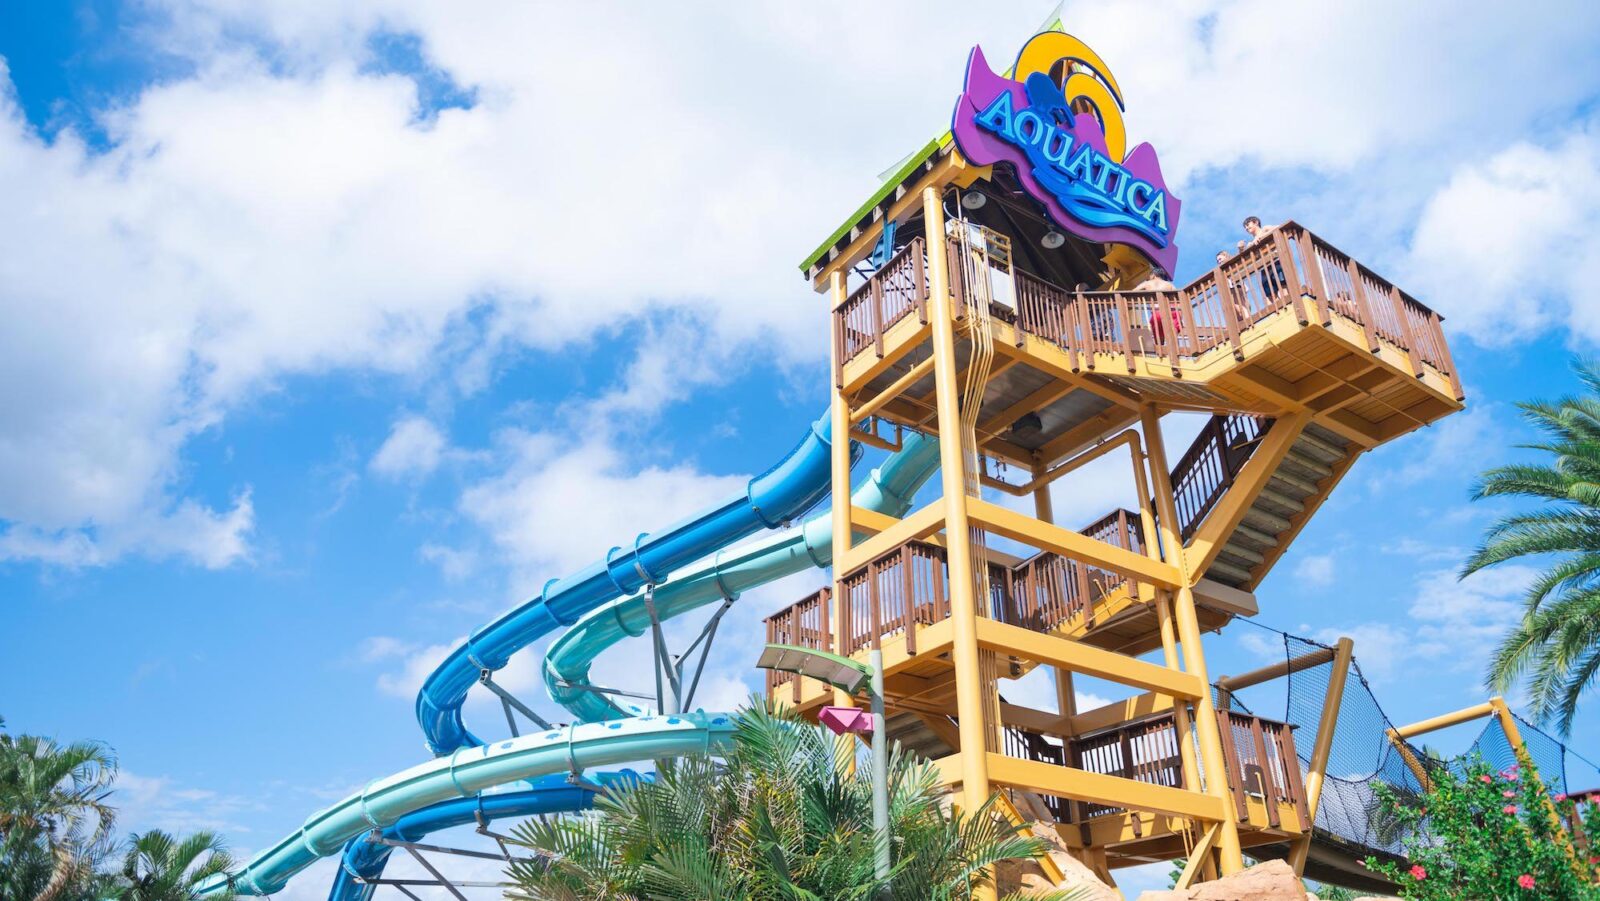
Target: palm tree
[
  {"x": 1556, "y": 646},
  {"x": 783, "y": 815},
  {"x": 159, "y": 867},
  {"x": 53, "y": 799}
]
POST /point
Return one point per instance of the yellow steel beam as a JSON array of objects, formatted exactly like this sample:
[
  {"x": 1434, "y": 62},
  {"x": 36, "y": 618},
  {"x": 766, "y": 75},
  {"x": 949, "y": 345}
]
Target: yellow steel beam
[
  {"x": 951, "y": 167},
  {"x": 1086, "y": 433},
  {"x": 1043, "y": 355},
  {"x": 1276, "y": 671},
  {"x": 1197, "y": 857},
  {"x": 839, "y": 470},
  {"x": 1071, "y": 544},
  {"x": 1098, "y": 788},
  {"x": 1033, "y": 719},
  {"x": 1120, "y": 712},
  {"x": 1317, "y": 771},
  {"x": 1445, "y": 721},
  {"x": 1230, "y": 510},
  {"x": 896, "y": 388},
  {"x": 919, "y": 524},
  {"x": 872, "y": 521},
  {"x": 1041, "y": 397},
  {"x": 1087, "y": 659},
  {"x": 1187, "y": 625},
  {"x": 964, "y": 652}
]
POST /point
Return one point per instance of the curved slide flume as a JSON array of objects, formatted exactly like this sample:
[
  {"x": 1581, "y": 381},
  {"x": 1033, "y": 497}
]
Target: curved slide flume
[
  {"x": 549, "y": 794},
  {"x": 888, "y": 489},
  {"x": 776, "y": 496},
  {"x": 466, "y": 772},
  {"x": 727, "y": 572}
]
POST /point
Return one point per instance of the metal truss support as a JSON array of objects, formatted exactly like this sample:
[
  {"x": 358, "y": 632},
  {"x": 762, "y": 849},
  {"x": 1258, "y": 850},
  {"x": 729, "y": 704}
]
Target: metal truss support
[{"x": 509, "y": 702}]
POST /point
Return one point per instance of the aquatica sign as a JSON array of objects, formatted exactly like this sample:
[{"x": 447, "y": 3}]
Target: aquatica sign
[{"x": 1071, "y": 163}]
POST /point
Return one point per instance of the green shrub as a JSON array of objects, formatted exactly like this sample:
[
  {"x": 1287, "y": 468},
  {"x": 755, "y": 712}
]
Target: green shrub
[{"x": 1485, "y": 835}]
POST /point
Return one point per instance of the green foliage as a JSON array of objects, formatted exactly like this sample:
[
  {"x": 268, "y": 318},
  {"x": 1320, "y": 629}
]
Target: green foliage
[
  {"x": 56, "y": 840},
  {"x": 783, "y": 816},
  {"x": 1485, "y": 835},
  {"x": 1556, "y": 646}
]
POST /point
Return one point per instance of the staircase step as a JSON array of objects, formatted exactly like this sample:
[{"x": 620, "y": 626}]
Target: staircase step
[
  {"x": 1242, "y": 553},
  {"x": 1266, "y": 522},
  {"x": 1282, "y": 500},
  {"x": 1293, "y": 483},
  {"x": 1321, "y": 446},
  {"x": 1228, "y": 573},
  {"x": 1252, "y": 534},
  {"x": 1307, "y": 463}
]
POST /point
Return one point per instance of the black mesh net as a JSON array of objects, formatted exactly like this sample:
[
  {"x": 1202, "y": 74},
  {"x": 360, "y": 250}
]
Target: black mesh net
[{"x": 1362, "y": 755}]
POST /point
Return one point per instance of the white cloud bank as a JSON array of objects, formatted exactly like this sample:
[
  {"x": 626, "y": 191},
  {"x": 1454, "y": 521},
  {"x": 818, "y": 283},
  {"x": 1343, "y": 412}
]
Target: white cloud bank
[{"x": 281, "y": 211}]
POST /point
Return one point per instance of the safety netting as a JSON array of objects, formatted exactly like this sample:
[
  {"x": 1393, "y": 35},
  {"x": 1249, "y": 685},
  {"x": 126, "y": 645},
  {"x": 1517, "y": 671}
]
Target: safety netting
[{"x": 1362, "y": 754}]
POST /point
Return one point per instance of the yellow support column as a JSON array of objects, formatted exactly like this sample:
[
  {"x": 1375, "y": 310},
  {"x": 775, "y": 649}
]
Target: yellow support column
[
  {"x": 1317, "y": 771},
  {"x": 1188, "y": 628},
  {"x": 839, "y": 423},
  {"x": 1044, "y": 511},
  {"x": 958, "y": 534}
]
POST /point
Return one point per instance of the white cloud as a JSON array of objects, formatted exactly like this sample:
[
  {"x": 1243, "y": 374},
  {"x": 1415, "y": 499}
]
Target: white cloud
[
  {"x": 413, "y": 449},
  {"x": 383, "y": 647},
  {"x": 455, "y": 563},
  {"x": 282, "y": 210},
  {"x": 1315, "y": 570},
  {"x": 161, "y": 802},
  {"x": 557, "y": 506},
  {"x": 1512, "y": 241}
]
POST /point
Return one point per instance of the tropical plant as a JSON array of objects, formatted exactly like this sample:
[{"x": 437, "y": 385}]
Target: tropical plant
[
  {"x": 53, "y": 806},
  {"x": 1483, "y": 834},
  {"x": 784, "y": 815},
  {"x": 1556, "y": 645},
  {"x": 160, "y": 867}
]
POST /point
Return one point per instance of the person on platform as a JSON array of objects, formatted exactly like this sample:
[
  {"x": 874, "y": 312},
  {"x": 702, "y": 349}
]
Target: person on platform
[
  {"x": 1274, "y": 284},
  {"x": 1158, "y": 280}
]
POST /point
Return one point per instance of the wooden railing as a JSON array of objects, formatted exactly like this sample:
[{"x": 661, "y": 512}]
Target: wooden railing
[
  {"x": 1290, "y": 268},
  {"x": 1207, "y": 469},
  {"x": 1261, "y": 765},
  {"x": 896, "y": 290},
  {"x": 909, "y": 586},
  {"x": 1259, "y": 754},
  {"x": 804, "y": 624}
]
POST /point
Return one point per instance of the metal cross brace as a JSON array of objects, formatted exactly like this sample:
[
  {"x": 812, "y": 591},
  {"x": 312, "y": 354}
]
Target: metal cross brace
[{"x": 509, "y": 702}]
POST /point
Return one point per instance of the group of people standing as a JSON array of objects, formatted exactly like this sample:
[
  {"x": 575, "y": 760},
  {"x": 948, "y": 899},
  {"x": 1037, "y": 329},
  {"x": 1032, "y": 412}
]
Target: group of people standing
[{"x": 1271, "y": 278}]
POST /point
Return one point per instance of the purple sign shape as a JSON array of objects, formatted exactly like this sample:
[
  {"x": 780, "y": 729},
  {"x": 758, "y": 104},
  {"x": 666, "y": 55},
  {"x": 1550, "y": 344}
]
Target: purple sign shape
[{"x": 1062, "y": 162}]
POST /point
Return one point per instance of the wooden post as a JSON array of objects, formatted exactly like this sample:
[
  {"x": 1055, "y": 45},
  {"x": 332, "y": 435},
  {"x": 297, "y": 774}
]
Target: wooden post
[
  {"x": 1317, "y": 772},
  {"x": 1315, "y": 283},
  {"x": 964, "y": 653},
  {"x": 1358, "y": 296},
  {"x": 1291, "y": 276},
  {"x": 1188, "y": 633},
  {"x": 1230, "y": 317},
  {"x": 1403, "y": 319}
]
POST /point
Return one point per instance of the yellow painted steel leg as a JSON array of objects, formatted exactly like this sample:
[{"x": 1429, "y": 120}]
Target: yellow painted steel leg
[
  {"x": 839, "y": 421},
  {"x": 1508, "y": 724},
  {"x": 958, "y": 535},
  {"x": 1316, "y": 773},
  {"x": 1194, "y": 660}
]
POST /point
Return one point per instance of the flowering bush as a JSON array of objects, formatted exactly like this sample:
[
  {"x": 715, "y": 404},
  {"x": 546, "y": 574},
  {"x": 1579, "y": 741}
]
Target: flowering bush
[{"x": 1486, "y": 835}]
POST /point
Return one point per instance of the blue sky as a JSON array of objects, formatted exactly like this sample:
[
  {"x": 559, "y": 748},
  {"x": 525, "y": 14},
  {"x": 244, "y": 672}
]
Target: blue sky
[{"x": 332, "y": 329}]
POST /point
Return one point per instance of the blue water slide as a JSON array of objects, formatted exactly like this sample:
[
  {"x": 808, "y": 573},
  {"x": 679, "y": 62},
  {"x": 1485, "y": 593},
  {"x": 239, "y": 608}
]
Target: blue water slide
[
  {"x": 463, "y": 774},
  {"x": 557, "y": 793},
  {"x": 724, "y": 574},
  {"x": 771, "y": 499}
]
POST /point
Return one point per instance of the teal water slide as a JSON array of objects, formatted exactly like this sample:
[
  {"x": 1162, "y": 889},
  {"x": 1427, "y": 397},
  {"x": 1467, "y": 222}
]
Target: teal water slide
[{"x": 430, "y": 796}]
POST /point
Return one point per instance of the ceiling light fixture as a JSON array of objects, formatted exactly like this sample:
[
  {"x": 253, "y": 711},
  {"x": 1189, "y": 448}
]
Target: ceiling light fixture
[
  {"x": 974, "y": 200},
  {"x": 1052, "y": 239}
]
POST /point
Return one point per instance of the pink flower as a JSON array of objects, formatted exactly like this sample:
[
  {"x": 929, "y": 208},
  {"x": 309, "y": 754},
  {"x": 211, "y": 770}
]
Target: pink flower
[
  {"x": 1485, "y": 779},
  {"x": 1525, "y": 880},
  {"x": 1508, "y": 794},
  {"x": 1509, "y": 809},
  {"x": 1561, "y": 797},
  {"x": 1418, "y": 873}
]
